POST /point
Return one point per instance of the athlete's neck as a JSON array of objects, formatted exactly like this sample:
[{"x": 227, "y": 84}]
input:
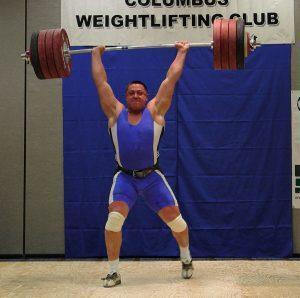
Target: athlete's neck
[
  {"x": 135, "y": 112},
  {"x": 134, "y": 118}
]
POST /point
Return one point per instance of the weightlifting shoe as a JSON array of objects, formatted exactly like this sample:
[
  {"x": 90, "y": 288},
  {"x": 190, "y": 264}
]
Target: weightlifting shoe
[
  {"x": 187, "y": 270},
  {"x": 111, "y": 280}
]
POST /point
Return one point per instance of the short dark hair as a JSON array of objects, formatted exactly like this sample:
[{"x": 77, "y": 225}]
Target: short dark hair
[{"x": 137, "y": 82}]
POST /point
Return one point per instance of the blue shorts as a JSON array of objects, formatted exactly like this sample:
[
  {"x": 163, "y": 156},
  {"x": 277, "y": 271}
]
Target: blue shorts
[{"x": 154, "y": 188}]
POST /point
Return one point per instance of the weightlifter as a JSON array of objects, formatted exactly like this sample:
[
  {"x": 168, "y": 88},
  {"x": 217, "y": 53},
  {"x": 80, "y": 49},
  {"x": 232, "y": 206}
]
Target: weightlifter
[{"x": 136, "y": 130}]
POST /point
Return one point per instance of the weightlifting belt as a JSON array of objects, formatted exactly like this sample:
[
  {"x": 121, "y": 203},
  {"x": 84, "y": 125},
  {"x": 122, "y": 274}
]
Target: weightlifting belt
[{"x": 139, "y": 173}]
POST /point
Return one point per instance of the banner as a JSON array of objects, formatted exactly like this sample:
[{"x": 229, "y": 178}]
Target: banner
[
  {"x": 126, "y": 22},
  {"x": 296, "y": 147}
]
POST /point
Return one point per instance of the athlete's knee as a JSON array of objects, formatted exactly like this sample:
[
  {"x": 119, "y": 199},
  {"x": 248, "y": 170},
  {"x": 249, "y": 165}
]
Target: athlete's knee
[
  {"x": 114, "y": 222},
  {"x": 119, "y": 206},
  {"x": 177, "y": 225}
]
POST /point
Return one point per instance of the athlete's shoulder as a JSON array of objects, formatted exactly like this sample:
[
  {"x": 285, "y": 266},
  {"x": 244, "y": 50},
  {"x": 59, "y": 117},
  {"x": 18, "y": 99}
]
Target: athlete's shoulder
[
  {"x": 157, "y": 118},
  {"x": 119, "y": 109}
]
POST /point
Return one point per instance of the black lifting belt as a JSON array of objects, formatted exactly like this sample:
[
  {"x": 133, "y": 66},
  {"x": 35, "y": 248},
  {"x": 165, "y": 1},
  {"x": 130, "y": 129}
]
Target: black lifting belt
[{"x": 139, "y": 173}]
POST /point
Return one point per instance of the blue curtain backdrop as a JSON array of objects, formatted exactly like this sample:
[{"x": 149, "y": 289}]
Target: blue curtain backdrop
[{"x": 226, "y": 153}]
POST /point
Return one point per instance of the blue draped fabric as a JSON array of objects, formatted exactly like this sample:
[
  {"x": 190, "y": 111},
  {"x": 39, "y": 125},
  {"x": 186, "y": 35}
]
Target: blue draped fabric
[{"x": 226, "y": 153}]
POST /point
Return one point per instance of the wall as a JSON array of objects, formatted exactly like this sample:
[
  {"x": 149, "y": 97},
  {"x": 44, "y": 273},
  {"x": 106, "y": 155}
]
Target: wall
[
  {"x": 44, "y": 176},
  {"x": 12, "y": 126},
  {"x": 44, "y": 224},
  {"x": 44, "y": 219}
]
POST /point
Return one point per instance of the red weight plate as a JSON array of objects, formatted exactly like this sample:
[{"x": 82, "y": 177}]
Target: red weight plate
[
  {"x": 248, "y": 44},
  {"x": 217, "y": 43},
  {"x": 225, "y": 44},
  {"x": 232, "y": 44},
  {"x": 60, "y": 44},
  {"x": 42, "y": 54},
  {"x": 50, "y": 55}
]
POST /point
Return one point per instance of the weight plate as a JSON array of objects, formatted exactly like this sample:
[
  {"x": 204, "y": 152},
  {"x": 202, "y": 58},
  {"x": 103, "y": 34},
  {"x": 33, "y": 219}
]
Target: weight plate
[
  {"x": 225, "y": 44},
  {"x": 60, "y": 44},
  {"x": 247, "y": 44},
  {"x": 232, "y": 45},
  {"x": 34, "y": 56},
  {"x": 42, "y": 54},
  {"x": 49, "y": 53},
  {"x": 217, "y": 43},
  {"x": 240, "y": 32}
]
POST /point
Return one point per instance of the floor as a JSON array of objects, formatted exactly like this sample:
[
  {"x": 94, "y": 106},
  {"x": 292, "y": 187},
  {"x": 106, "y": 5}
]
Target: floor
[{"x": 223, "y": 278}]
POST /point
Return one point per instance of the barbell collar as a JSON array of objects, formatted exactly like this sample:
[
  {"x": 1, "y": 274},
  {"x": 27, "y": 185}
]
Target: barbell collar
[
  {"x": 253, "y": 42},
  {"x": 26, "y": 56}
]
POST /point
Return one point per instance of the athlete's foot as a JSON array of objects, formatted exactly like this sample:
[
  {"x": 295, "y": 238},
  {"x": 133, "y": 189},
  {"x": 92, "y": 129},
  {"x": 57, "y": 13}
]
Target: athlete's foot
[
  {"x": 187, "y": 270},
  {"x": 111, "y": 280}
]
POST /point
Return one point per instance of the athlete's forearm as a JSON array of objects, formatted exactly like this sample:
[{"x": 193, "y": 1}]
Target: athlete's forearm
[
  {"x": 98, "y": 70},
  {"x": 176, "y": 67},
  {"x": 106, "y": 96}
]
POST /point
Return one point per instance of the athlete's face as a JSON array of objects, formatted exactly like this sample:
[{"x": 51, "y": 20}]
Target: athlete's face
[{"x": 136, "y": 98}]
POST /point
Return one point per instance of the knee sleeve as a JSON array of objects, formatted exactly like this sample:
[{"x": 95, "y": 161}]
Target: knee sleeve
[
  {"x": 178, "y": 224},
  {"x": 114, "y": 222}
]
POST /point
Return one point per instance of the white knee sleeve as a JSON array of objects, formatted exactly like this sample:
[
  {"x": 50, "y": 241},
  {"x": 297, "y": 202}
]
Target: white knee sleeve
[
  {"x": 178, "y": 224},
  {"x": 114, "y": 222}
]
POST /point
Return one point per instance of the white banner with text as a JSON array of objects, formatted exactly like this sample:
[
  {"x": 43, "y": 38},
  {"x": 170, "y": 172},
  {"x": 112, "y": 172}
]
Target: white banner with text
[{"x": 139, "y": 22}]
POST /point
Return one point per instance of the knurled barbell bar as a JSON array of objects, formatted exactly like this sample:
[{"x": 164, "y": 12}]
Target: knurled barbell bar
[{"x": 50, "y": 53}]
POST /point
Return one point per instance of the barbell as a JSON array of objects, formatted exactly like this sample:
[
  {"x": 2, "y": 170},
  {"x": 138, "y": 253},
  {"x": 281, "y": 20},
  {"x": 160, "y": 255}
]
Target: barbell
[{"x": 50, "y": 54}]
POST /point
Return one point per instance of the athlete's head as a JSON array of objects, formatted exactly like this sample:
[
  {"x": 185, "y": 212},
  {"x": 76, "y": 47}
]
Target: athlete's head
[{"x": 136, "y": 96}]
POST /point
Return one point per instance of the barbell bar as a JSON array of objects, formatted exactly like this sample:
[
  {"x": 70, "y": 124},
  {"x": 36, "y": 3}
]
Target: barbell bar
[{"x": 50, "y": 54}]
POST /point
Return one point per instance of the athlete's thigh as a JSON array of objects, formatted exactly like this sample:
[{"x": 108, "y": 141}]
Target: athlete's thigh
[
  {"x": 122, "y": 190},
  {"x": 158, "y": 194}
]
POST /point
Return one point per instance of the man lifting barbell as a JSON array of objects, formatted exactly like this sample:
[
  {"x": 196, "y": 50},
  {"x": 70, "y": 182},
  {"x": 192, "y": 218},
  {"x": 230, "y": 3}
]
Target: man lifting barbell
[{"x": 137, "y": 158}]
